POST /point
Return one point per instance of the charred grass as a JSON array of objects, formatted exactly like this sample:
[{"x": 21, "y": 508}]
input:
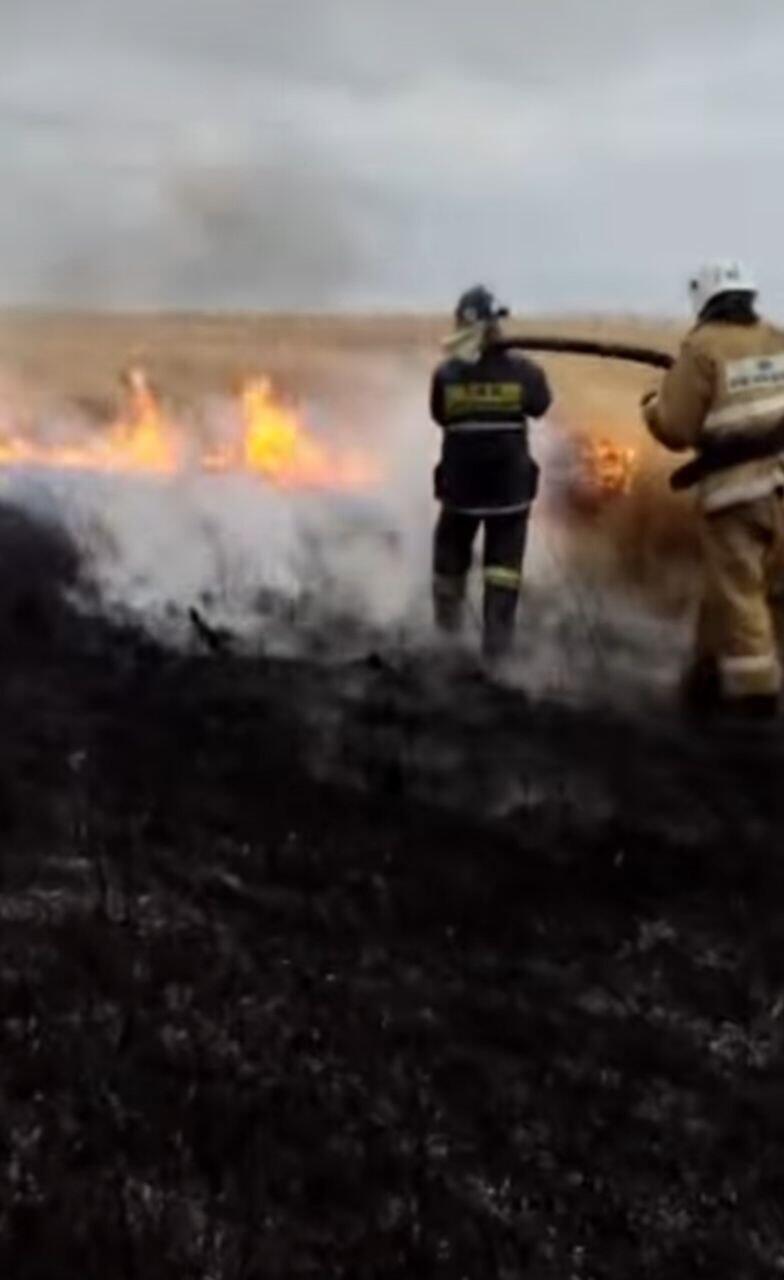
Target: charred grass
[{"x": 265, "y": 1016}]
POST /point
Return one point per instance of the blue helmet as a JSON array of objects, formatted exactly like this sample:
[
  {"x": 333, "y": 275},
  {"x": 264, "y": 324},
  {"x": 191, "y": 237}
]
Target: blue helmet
[{"x": 478, "y": 304}]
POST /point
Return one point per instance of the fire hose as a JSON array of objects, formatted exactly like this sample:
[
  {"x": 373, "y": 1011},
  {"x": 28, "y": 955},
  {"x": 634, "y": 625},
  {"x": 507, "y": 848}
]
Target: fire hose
[
  {"x": 591, "y": 347},
  {"x": 730, "y": 451}
]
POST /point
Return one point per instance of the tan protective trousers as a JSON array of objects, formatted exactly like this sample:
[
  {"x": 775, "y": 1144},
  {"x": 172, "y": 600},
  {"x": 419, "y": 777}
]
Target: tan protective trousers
[{"x": 740, "y": 620}]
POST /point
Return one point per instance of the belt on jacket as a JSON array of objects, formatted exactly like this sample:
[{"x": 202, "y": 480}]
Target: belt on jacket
[
  {"x": 471, "y": 425},
  {"x": 730, "y": 451}
]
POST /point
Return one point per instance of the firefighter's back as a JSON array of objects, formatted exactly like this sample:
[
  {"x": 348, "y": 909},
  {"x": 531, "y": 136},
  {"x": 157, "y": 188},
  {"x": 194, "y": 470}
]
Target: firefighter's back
[{"x": 483, "y": 407}]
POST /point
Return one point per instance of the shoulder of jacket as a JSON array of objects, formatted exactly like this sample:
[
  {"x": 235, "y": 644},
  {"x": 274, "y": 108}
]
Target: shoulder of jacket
[
  {"x": 772, "y": 330},
  {"x": 706, "y": 340},
  {"x": 700, "y": 334},
  {"x": 522, "y": 363}
]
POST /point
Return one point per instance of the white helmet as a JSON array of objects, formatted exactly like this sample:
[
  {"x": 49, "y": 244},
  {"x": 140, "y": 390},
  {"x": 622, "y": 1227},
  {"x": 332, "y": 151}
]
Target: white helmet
[{"x": 716, "y": 278}]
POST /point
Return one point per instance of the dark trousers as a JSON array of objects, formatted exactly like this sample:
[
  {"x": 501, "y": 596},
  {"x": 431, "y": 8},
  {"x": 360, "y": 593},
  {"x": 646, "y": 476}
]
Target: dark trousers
[{"x": 504, "y": 547}]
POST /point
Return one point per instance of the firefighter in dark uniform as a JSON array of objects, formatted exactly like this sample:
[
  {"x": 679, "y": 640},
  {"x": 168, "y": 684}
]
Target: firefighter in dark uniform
[{"x": 482, "y": 397}]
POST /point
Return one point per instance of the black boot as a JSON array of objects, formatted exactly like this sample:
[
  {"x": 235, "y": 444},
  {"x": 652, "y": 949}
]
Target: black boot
[
  {"x": 500, "y": 605},
  {"x": 755, "y": 712},
  {"x": 700, "y": 689},
  {"x": 449, "y": 604}
]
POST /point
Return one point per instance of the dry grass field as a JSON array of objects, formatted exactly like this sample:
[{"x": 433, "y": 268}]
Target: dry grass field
[{"x": 75, "y": 355}]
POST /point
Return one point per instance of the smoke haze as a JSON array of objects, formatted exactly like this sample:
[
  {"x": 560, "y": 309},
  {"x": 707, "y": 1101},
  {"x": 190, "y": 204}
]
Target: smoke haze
[
  {"x": 338, "y": 572},
  {"x": 361, "y": 153}
]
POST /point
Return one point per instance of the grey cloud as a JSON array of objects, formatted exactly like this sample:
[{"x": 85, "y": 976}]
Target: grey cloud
[
  {"x": 374, "y": 42},
  {"x": 285, "y": 233},
  {"x": 365, "y": 45},
  {"x": 324, "y": 152}
]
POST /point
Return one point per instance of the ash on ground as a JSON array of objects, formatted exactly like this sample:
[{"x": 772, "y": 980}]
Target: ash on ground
[{"x": 371, "y": 968}]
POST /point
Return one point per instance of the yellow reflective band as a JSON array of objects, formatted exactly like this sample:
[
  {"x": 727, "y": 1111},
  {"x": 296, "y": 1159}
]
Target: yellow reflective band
[
  {"x": 475, "y": 397},
  {"x": 742, "y": 675},
  {"x": 748, "y": 665},
  {"x": 498, "y": 576},
  {"x": 740, "y": 413}
]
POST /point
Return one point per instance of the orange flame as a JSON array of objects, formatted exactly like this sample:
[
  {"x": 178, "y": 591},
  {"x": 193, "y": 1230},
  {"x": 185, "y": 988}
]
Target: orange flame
[
  {"x": 143, "y": 440},
  {"x": 609, "y": 466},
  {"x": 274, "y": 443},
  {"x": 276, "y": 446},
  {"x": 140, "y": 440},
  {"x": 592, "y": 471}
]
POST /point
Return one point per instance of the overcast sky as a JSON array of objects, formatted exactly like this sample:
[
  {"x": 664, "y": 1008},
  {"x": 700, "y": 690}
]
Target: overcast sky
[{"x": 319, "y": 153}]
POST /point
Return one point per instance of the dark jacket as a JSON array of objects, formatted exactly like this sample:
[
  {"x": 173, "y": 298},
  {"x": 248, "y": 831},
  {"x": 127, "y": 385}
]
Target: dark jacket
[{"x": 483, "y": 407}]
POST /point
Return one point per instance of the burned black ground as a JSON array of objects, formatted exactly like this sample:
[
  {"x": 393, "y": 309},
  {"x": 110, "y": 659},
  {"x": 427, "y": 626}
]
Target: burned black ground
[{"x": 371, "y": 969}]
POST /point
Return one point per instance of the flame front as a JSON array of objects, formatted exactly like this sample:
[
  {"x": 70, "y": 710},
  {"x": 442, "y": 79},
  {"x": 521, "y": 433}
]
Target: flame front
[
  {"x": 591, "y": 471},
  {"x": 276, "y": 446},
  {"x": 273, "y": 443},
  {"x": 140, "y": 440},
  {"x": 609, "y": 466}
]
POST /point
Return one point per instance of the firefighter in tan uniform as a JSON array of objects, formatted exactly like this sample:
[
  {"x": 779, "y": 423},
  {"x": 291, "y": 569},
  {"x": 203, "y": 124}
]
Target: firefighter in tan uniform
[{"x": 724, "y": 398}]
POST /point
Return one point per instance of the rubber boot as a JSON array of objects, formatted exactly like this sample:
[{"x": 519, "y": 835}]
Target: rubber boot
[
  {"x": 756, "y": 714},
  {"x": 500, "y": 605},
  {"x": 700, "y": 690},
  {"x": 759, "y": 706},
  {"x": 449, "y": 604}
]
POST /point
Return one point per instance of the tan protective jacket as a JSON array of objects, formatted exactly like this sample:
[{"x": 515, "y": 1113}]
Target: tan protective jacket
[{"x": 728, "y": 378}]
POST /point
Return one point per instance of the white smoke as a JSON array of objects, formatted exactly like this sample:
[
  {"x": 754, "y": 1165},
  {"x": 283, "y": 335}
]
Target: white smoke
[
  {"x": 280, "y": 567},
  {"x": 261, "y": 560}
]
